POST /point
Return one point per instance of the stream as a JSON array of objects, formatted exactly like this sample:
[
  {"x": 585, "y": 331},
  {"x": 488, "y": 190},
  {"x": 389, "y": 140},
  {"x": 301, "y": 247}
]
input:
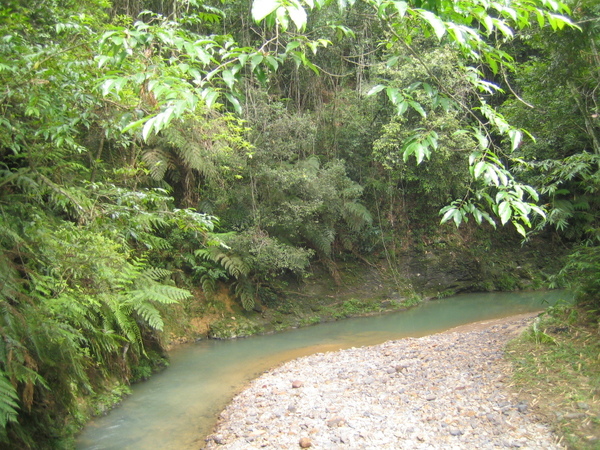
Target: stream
[{"x": 177, "y": 408}]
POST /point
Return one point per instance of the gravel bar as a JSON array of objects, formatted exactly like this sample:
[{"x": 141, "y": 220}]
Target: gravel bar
[{"x": 450, "y": 390}]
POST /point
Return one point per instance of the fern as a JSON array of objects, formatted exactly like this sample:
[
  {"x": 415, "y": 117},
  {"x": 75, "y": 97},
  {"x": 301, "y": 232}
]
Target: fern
[
  {"x": 8, "y": 402},
  {"x": 320, "y": 236},
  {"x": 244, "y": 290},
  {"x": 208, "y": 283},
  {"x": 310, "y": 165},
  {"x": 233, "y": 264},
  {"x": 356, "y": 215},
  {"x": 156, "y": 273},
  {"x": 193, "y": 151},
  {"x": 159, "y": 293},
  {"x": 150, "y": 314},
  {"x": 158, "y": 161}
]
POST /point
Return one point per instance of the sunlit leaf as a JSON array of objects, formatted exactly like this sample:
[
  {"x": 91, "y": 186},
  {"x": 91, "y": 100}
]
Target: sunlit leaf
[
  {"x": 515, "y": 138},
  {"x": 262, "y": 8},
  {"x": 298, "y": 16},
  {"x": 235, "y": 102},
  {"x": 520, "y": 228},
  {"x": 417, "y": 107},
  {"x": 504, "y": 212},
  {"x": 436, "y": 23},
  {"x": 228, "y": 78},
  {"x": 401, "y": 7},
  {"x": 479, "y": 168},
  {"x": 375, "y": 89}
]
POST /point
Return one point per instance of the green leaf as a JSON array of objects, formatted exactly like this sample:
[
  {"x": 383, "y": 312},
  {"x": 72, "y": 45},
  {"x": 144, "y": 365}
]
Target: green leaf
[
  {"x": 262, "y": 8},
  {"x": 448, "y": 212},
  {"x": 291, "y": 46},
  {"x": 402, "y": 107},
  {"x": 483, "y": 140},
  {"x": 538, "y": 210},
  {"x": 435, "y": 22},
  {"x": 515, "y": 138},
  {"x": 148, "y": 128},
  {"x": 228, "y": 78},
  {"x": 210, "y": 96},
  {"x": 272, "y": 62},
  {"x": 392, "y": 61},
  {"x": 134, "y": 125},
  {"x": 520, "y": 228},
  {"x": 421, "y": 152},
  {"x": 298, "y": 16},
  {"x": 479, "y": 168},
  {"x": 417, "y": 107},
  {"x": 235, "y": 102},
  {"x": 504, "y": 212},
  {"x": 375, "y": 89},
  {"x": 255, "y": 61},
  {"x": 491, "y": 175},
  {"x": 394, "y": 95},
  {"x": 401, "y": 7}
]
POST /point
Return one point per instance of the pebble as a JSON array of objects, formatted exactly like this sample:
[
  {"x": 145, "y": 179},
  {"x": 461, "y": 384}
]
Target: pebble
[{"x": 448, "y": 390}]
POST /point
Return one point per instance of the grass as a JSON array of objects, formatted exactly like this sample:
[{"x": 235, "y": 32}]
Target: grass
[{"x": 557, "y": 366}]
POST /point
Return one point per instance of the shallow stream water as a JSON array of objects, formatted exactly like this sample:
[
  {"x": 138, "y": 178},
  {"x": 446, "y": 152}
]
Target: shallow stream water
[{"x": 176, "y": 409}]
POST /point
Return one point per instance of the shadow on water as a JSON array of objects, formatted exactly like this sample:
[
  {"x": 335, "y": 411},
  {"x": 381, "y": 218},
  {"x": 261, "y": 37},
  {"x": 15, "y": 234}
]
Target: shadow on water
[{"x": 176, "y": 409}]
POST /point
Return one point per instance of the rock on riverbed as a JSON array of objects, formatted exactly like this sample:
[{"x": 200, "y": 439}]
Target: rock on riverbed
[{"x": 448, "y": 391}]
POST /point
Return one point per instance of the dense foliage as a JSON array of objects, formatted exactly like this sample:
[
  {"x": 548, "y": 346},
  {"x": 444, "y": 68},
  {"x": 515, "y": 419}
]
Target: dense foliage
[{"x": 152, "y": 149}]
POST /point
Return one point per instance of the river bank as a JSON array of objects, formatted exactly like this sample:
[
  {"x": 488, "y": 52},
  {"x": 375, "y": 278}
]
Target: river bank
[{"x": 448, "y": 390}]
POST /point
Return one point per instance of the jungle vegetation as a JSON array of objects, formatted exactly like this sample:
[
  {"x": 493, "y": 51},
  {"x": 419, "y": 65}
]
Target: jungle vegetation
[{"x": 151, "y": 150}]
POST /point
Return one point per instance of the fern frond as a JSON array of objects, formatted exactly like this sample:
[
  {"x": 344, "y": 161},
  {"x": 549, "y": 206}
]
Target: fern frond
[
  {"x": 8, "y": 401},
  {"x": 311, "y": 165},
  {"x": 353, "y": 191},
  {"x": 165, "y": 294},
  {"x": 244, "y": 290},
  {"x": 320, "y": 237},
  {"x": 67, "y": 198},
  {"x": 153, "y": 242},
  {"x": 156, "y": 273},
  {"x": 356, "y": 215},
  {"x": 150, "y": 315},
  {"x": 233, "y": 264},
  {"x": 158, "y": 161},
  {"x": 193, "y": 151},
  {"x": 209, "y": 284},
  {"x": 127, "y": 325}
]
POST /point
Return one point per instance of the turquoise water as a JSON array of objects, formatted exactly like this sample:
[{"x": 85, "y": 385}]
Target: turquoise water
[{"x": 176, "y": 409}]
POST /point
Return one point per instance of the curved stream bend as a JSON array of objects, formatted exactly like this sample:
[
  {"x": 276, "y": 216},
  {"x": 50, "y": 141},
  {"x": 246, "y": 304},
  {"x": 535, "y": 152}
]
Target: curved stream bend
[{"x": 177, "y": 408}]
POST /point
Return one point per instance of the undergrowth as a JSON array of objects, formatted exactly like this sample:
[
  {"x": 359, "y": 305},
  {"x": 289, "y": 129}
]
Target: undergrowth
[{"x": 557, "y": 365}]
